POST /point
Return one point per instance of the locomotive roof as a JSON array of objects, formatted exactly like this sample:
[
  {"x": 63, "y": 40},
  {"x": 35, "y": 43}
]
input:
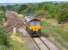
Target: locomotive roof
[{"x": 35, "y": 19}]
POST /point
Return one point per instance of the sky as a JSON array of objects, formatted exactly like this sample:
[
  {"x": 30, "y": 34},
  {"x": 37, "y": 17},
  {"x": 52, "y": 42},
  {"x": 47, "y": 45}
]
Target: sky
[{"x": 27, "y": 1}]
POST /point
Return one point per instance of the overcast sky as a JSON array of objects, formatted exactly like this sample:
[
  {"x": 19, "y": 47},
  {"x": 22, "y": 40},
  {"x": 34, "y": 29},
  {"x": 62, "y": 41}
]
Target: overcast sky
[{"x": 26, "y": 1}]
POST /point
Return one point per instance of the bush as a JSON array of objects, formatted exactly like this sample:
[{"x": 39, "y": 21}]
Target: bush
[{"x": 3, "y": 36}]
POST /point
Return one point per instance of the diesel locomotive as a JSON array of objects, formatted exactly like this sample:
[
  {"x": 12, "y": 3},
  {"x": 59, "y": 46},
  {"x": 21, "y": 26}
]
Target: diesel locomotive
[{"x": 34, "y": 27}]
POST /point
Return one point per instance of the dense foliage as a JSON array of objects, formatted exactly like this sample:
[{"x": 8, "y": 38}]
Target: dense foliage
[
  {"x": 2, "y": 13},
  {"x": 3, "y": 36},
  {"x": 46, "y": 9}
]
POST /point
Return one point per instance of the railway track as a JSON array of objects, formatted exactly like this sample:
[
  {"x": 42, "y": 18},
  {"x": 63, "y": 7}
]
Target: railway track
[
  {"x": 49, "y": 44},
  {"x": 41, "y": 43},
  {"x": 44, "y": 44}
]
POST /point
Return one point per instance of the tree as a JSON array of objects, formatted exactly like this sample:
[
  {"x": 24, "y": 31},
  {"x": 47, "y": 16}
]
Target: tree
[{"x": 3, "y": 36}]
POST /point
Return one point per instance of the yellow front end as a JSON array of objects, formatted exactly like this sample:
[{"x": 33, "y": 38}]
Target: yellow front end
[{"x": 35, "y": 28}]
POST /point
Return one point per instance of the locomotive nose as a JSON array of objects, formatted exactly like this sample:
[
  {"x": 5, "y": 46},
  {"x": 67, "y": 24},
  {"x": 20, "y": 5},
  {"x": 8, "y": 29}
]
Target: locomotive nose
[{"x": 36, "y": 28}]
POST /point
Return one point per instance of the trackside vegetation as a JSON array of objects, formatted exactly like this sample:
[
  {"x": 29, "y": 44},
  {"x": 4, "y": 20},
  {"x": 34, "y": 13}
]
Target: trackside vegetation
[{"x": 57, "y": 32}]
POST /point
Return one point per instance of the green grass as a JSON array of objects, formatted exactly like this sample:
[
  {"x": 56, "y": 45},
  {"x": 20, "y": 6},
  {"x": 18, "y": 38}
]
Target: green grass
[
  {"x": 15, "y": 44},
  {"x": 18, "y": 42},
  {"x": 57, "y": 32},
  {"x": 18, "y": 46}
]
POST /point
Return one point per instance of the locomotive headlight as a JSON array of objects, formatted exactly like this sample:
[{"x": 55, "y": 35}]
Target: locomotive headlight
[{"x": 30, "y": 28}]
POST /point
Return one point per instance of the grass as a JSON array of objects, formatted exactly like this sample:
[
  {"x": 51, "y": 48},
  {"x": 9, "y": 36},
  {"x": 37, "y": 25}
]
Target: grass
[
  {"x": 16, "y": 43},
  {"x": 18, "y": 46},
  {"x": 56, "y": 31}
]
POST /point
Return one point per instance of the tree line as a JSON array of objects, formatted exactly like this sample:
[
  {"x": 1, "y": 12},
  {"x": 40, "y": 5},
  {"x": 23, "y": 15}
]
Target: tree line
[{"x": 57, "y": 10}]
